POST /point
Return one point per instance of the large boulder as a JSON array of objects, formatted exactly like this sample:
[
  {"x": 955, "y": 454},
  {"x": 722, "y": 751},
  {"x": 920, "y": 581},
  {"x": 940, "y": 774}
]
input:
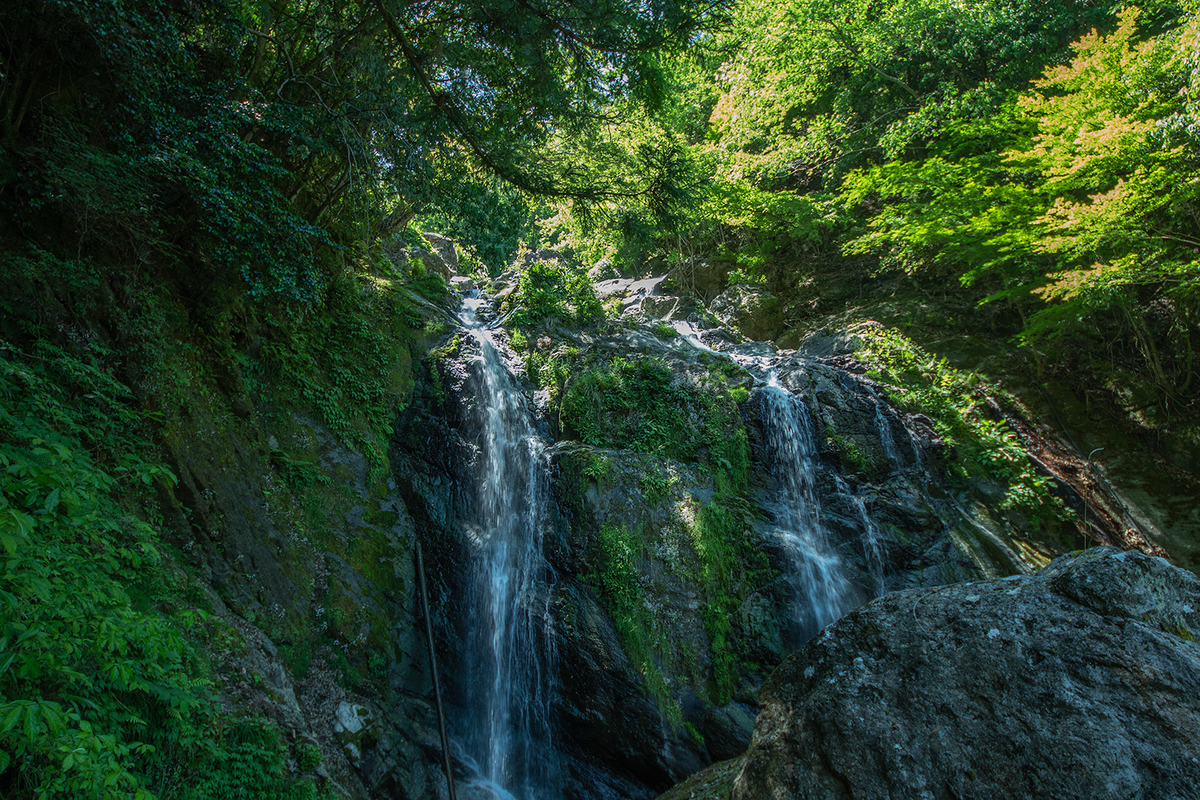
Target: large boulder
[
  {"x": 1078, "y": 682},
  {"x": 445, "y": 249},
  {"x": 755, "y": 312}
]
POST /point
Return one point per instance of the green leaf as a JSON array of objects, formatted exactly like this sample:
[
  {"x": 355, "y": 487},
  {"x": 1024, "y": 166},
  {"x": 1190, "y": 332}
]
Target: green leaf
[{"x": 22, "y": 521}]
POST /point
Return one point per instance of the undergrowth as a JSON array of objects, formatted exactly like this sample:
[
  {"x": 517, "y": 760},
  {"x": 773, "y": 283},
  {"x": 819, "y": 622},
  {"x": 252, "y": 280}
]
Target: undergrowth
[
  {"x": 555, "y": 291},
  {"x": 984, "y": 447},
  {"x": 103, "y": 693},
  {"x": 351, "y": 363}
]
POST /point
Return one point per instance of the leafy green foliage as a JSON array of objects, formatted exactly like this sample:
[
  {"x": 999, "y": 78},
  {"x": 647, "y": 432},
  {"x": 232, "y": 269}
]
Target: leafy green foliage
[
  {"x": 801, "y": 92},
  {"x": 352, "y": 364},
  {"x": 485, "y": 216},
  {"x": 553, "y": 290},
  {"x": 252, "y": 764},
  {"x": 101, "y": 692},
  {"x": 984, "y": 446},
  {"x": 244, "y": 150},
  {"x": 820, "y": 85},
  {"x": 656, "y": 200},
  {"x": 1079, "y": 200}
]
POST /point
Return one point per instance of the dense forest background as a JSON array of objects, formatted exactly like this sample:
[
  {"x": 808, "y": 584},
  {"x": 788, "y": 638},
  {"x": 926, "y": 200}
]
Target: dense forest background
[{"x": 204, "y": 198}]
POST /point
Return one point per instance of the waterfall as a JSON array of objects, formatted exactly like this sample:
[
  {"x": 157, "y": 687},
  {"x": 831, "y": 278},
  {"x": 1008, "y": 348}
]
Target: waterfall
[
  {"x": 509, "y": 682},
  {"x": 821, "y": 590},
  {"x": 885, "y": 436},
  {"x": 872, "y": 537}
]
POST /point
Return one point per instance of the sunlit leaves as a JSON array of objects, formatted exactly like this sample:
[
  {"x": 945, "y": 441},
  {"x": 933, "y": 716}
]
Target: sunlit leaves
[{"x": 1084, "y": 194}]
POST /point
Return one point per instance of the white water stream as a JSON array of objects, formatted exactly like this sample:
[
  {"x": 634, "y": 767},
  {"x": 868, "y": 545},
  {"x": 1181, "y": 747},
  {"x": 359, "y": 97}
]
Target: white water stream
[
  {"x": 821, "y": 590},
  {"x": 510, "y": 658}
]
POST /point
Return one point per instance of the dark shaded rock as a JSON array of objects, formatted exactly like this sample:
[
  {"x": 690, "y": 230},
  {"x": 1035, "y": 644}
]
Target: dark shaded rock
[
  {"x": 698, "y": 277},
  {"x": 1078, "y": 682},
  {"x": 611, "y": 732},
  {"x": 615, "y": 736}
]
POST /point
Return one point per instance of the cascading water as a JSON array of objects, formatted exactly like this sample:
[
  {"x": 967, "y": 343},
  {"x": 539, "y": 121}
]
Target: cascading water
[
  {"x": 872, "y": 537},
  {"x": 507, "y": 730},
  {"x": 821, "y": 589},
  {"x": 885, "y": 436}
]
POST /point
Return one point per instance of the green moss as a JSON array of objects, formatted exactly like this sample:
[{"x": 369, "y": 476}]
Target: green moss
[
  {"x": 437, "y": 360},
  {"x": 617, "y": 553},
  {"x": 730, "y": 567},
  {"x": 849, "y": 451},
  {"x": 638, "y": 405},
  {"x": 724, "y": 567}
]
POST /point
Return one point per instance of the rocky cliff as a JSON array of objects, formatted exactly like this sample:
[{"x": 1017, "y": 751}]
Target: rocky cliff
[{"x": 680, "y": 578}]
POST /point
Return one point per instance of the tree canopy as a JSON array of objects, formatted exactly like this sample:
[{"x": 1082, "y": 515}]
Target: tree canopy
[{"x": 140, "y": 128}]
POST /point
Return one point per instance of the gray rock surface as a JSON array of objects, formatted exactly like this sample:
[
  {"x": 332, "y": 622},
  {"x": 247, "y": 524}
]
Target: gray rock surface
[
  {"x": 429, "y": 261},
  {"x": 1078, "y": 682},
  {"x": 755, "y": 312},
  {"x": 444, "y": 247}
]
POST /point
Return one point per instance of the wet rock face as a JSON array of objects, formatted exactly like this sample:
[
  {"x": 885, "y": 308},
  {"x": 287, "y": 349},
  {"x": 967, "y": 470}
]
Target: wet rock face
[
  {"x": 1078, "y": 682},
  {"x": 613, "y": 734}
]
